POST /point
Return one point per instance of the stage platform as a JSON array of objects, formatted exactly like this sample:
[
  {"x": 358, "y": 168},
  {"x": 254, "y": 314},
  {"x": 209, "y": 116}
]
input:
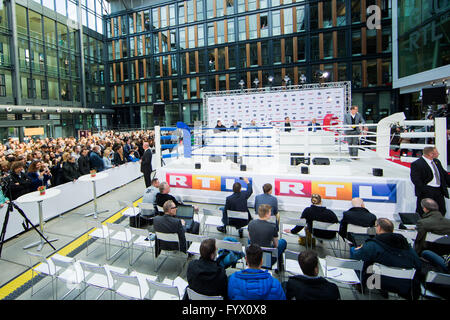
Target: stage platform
[{"x": 338, "y": 182}]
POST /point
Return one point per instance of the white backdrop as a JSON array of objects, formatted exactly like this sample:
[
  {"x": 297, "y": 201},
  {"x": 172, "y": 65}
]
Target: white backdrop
[{"x": 270, "y": 106}]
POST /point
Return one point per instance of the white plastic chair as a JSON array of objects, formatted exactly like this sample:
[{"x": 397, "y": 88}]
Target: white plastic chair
[
  {"x": 46, "y": 267},
  {"x": 291, "y": 265},
  {"x": 162, "y": 291},
  {"x": 68, "y": 271},
  {"x": 132, "y": 211},
  {"x": 147, "y": 210},
  {"x": 121, "y": 235},
  {"x": 352, "y": 228},
  {"x": 290, "y": 223},
  {"x": 435, "y": 278},
  {"x": 318, "y": 225},
  {"x": 237, "y": 215},
  {"x": 101, "y": 232},
  {"x": 195, "y": 240},
  {"x": 168, "y": 237},
  {"x": 197, "y": 296},
  {"x": 138, "y": 241},
  {"x": 127, "y": 286},
  {"x": 346, "y": 269},
  {"x": 98, "y": 276},
  {"x": 212, "y": 218},
  {"x": 391, "y": 272}
]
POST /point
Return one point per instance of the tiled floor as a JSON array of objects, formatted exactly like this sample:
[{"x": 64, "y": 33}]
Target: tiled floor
[{"x": 15, "y": 263}]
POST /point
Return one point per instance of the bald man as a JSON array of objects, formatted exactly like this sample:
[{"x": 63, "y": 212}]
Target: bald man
[
  {"x": 357, "y": 215},
  {"x": 146, "y": 164}
]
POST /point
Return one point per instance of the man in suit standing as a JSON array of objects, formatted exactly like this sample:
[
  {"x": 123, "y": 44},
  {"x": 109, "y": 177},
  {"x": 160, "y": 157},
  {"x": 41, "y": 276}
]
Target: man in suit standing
[
  {"x": 354, "y": 119},
  {"x": 146, "y": 164},
  {"x": 430, "y": 179}
]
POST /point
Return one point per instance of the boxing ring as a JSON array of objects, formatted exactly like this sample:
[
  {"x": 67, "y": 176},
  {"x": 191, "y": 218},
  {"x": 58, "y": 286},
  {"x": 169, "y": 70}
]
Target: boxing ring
[{"x": 270, "y": 155}]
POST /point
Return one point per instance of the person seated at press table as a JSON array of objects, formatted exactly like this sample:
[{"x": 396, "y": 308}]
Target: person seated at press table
[
  {"x": 236, "y": 202},
  {"x": 18, "y": 182},
  {"x": 220, "y": 127},
  {"x": 265, "y": 234},
  {"x": 254, "y": 283},
  {"x": 357, "y": 215},
  {"x": 431, "y": 221},
  {"x": 392, "y": 250},
  {"x": 314, "y": 126},
  {"x": 287, "y": 125},
  {"x": 95, "y": 159},
  {"x": 235, "y": 126},
  {"x": 38, "y": 178},
  {"x": 316, "y": 212},
  {"x": 310, "y": 286},
  {"x": 83, "y": 162},
  {"x": 267, "y": 198},
  {"x": 164, "y": 195},
  {"x": 204, "y": 275},
  {"x": 168, "y": 223}
]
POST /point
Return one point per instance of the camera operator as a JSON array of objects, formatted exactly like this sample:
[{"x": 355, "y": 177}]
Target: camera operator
[{"x": 17, "y": 182}]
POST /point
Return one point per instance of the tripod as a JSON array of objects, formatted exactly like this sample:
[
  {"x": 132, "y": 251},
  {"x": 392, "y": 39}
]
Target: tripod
[{"x": 11, "y": 206}]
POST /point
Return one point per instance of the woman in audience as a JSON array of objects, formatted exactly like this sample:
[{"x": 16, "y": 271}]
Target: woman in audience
[
  {"x": 106, "y": 158},
  {"x": 119, "y": 157},
  {"x": 317, "y": 212},
  {"x": 38, "y": 178},
  {"x": 19, "y": 183}
]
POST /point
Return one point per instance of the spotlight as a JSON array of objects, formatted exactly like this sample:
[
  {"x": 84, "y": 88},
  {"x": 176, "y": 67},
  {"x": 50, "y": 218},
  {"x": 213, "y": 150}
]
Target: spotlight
[
  {"x": 82, "y": 111},
  {"x": 270, "y": 78},
  {"x": 44, "y": 110},
  {"x": 325, "y": 75},
  {"x": 92, "y": 110},
  {"x": 256, "y": 82},
  {"x": 71, "y": 110},
  {"x": 8, "y": 109},
  {"x": 58, "y": 110},
  {"x": 27, "y": 109},
  {"x": 242, "y": 83},
  {"x": 286, "y": 80},
  {"x": 302, "y": 79}
]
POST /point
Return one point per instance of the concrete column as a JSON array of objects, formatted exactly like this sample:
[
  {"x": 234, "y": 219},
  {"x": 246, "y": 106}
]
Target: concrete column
[
  {"x": 83, "y": 78},
  {"x": 15, "y": 53}
]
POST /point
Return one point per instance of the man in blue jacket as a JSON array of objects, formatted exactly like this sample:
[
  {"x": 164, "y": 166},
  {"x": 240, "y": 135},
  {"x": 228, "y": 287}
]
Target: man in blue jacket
[
  {"x": 254, "y": 283},
  {"x": 95, "y": 161},
  {"x": 392, "y": 250}
]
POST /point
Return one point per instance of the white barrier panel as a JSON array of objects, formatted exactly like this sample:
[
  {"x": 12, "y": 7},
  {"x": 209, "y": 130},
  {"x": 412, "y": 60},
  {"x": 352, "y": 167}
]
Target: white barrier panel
[
  {"x": 383, "y": 196},
  {"x": 73, "y": 194}
]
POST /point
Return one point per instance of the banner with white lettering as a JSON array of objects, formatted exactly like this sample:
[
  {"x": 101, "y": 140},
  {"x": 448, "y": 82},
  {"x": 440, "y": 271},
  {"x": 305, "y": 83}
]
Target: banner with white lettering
[
  {"x": 383, "y": 197},
  {"x": 265, "y": 107}
]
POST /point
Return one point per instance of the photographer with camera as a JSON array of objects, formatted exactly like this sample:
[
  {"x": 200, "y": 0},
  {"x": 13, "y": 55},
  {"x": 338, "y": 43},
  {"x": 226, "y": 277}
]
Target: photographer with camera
[{"x": 39, "y": 175}]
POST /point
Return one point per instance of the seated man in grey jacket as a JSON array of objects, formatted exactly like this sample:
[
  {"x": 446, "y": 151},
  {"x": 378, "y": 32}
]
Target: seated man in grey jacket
[{"x": 168, "y": 223}]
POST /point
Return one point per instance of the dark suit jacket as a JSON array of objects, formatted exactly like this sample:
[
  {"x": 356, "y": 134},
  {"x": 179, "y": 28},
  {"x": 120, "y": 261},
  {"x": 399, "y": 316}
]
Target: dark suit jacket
[
  {"x": 169, "y": 224},
  {"x": 117, "y": 161},
  {"x": 357, "y": 216},
  {"x": 83, "y": 165},
  {"x": 318, "y": 213},
  {"x": 146, "y": 162},
  {"x": 96, "y": 162},
  {"x": 421, "y": 174},
  {"x": 431, "y": 222},
  {"x": 304, "y": 288},
  {"x": 162, "y": 198},
  {"x": 238, "y": 202}
]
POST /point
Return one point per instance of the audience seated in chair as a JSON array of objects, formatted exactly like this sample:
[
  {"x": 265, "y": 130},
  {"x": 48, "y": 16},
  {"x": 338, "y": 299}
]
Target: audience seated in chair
[
  {"x": 265, "y": 234},
  {"x": 267, "y": 198},
  {"x": 317, "y": 212},
  {"x": 310, "y": 286},
  {"x": 392, "y": 250},
  {"x": 431, "y": 221},
  {"x": 357, "y": 215},
  {"x": 151, "y": 192},
  {"x": 168, "y": 223},
  {"x": 237, "y": 202},
  {"x": 164, "y": 196},
  {"x": 254, "y": 283},
  {"x": 204, "y": 275}
]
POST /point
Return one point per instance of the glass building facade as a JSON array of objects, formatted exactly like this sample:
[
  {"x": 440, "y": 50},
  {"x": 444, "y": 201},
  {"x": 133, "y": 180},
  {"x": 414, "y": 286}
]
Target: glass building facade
[
  {"x": 52, "y": 53},
  {"x": 174, "y": 51}
]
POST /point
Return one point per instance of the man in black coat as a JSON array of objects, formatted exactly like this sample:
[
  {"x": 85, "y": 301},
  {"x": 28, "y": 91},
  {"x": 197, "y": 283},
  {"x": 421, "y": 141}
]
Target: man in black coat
[
  {"x": 357, "y": 215},
  {"x": 310, "y": 286},
  {"x": 146, "y": 164},
  {"x": 237, "y": 202},
  {"x": 95, "y": 160},
  {"x": 168, "y": 223},
  {"x": 83, "y": 163},
  {"x": 204, "y": 275},
  {"x": 430, "y": 179},
  {"x": 18, "y": 182},
  {"x": 164, "y": 195}
]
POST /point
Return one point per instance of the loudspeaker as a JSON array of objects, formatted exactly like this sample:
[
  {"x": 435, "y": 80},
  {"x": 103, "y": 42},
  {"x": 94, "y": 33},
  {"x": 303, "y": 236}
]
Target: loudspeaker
[
  {"x": 434, "y": 95},
  {"x": 377, "y": 172},
  {"x": 243, "y": 167},
  {"x": 298, "y": 158},
  {"x": 159, "y": 110},
  {"x": 305, "y": 170},
  {"x": 321, "y": 161},
  {"x": 198, "y": 166}
]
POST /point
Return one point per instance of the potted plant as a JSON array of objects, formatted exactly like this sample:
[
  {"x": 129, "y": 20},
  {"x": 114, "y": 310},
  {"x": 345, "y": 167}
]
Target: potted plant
[
  {"x": 41, "y": 190},
  {"x": 93, "y": 173}
]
